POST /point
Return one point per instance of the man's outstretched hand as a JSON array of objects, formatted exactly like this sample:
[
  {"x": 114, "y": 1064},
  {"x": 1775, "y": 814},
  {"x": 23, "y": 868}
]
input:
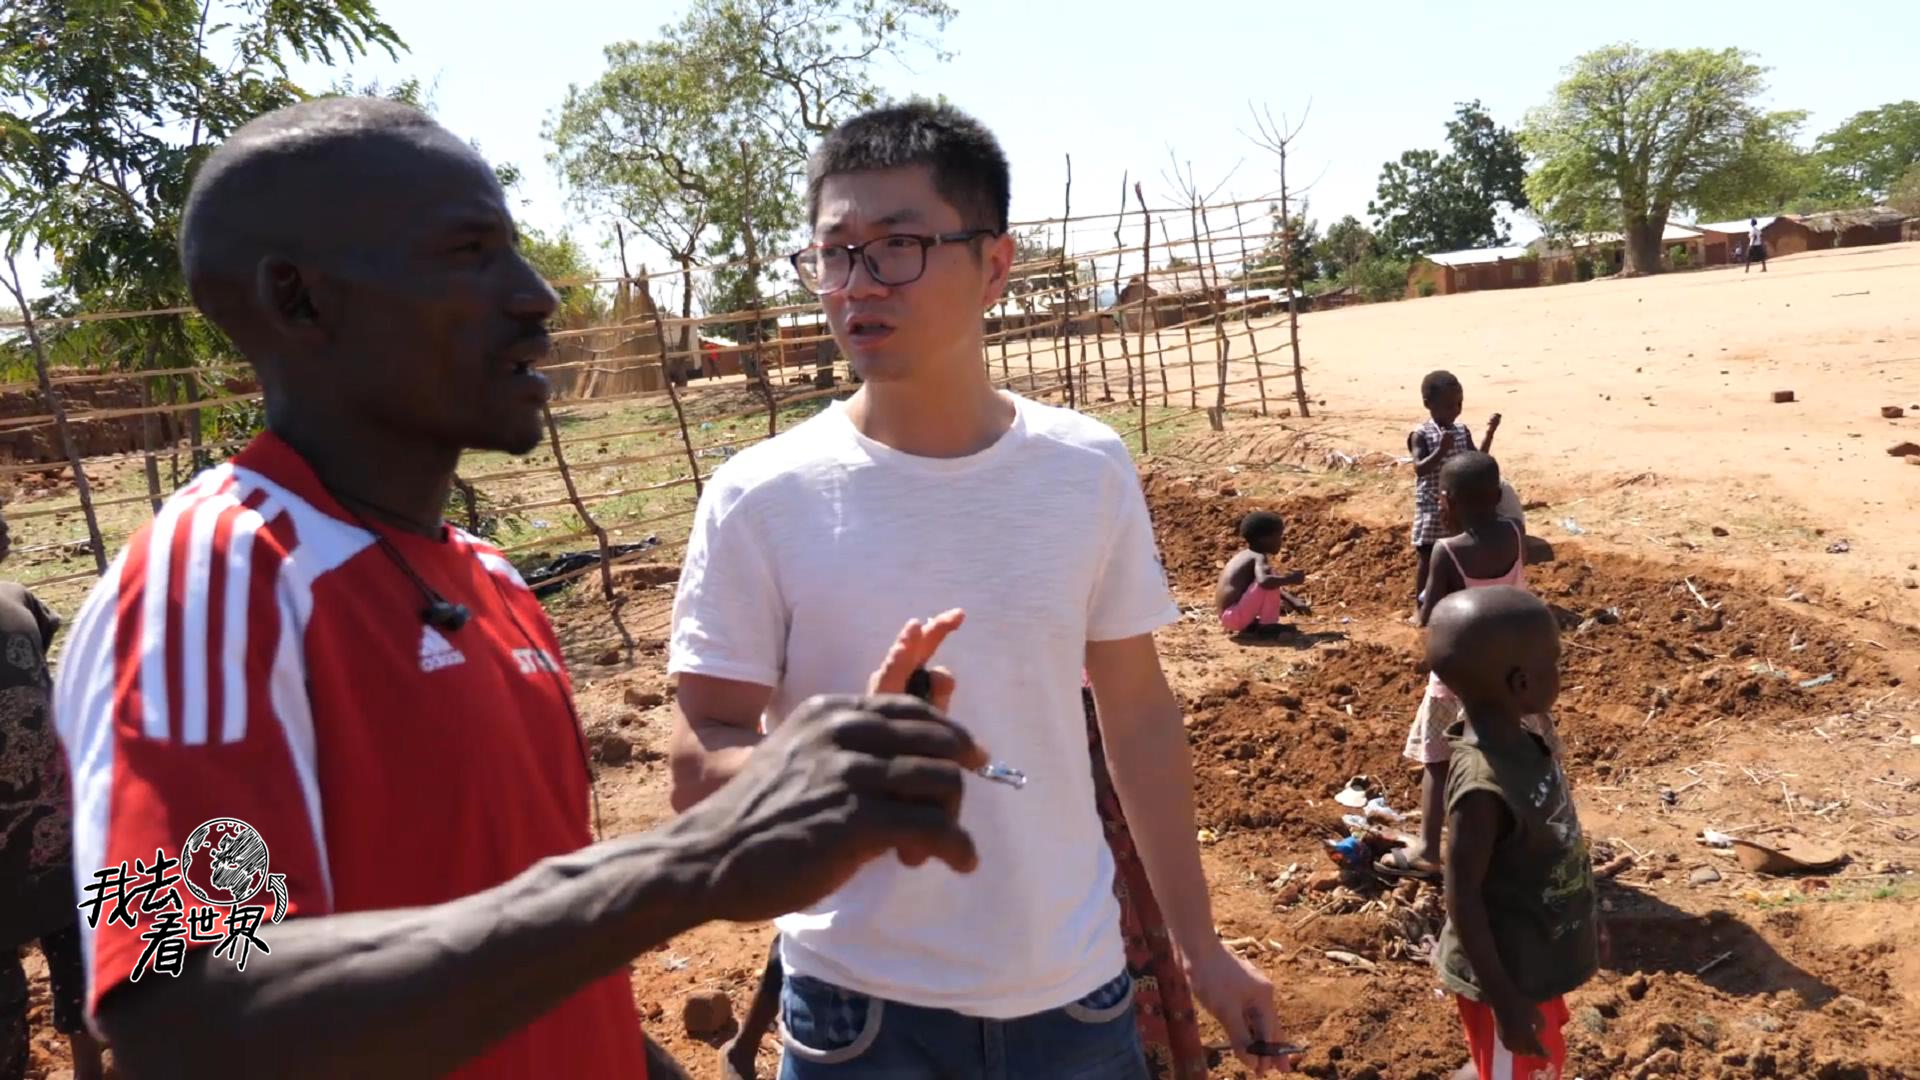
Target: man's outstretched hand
[{"x": 842, "y": 781}]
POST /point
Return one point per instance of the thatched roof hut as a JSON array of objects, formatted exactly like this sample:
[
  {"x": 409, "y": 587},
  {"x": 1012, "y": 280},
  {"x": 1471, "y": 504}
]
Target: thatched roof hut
[{"x": 1857, "y": 228}]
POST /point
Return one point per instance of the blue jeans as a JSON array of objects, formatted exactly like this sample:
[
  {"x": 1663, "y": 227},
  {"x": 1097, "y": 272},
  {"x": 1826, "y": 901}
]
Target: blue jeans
[{"x": 828, "y": 1033}]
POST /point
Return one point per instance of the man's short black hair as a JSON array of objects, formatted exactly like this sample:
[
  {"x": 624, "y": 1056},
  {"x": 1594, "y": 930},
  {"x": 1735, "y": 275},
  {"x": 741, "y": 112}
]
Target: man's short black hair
[
  {"x": 240, "y": 202},
  {"x": 1260, "y": 523},
  {"x": 969, "y": 168},
  {"x": 1471, "y": 480},
  {"x": 1435, "y": 384}
]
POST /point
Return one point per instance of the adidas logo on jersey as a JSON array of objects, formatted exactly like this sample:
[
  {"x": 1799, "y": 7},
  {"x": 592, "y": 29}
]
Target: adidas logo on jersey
[{"x": 436, "y": 652}]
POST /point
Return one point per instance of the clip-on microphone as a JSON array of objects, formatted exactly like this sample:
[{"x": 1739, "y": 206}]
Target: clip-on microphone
[{"x": 442, "y": 614}]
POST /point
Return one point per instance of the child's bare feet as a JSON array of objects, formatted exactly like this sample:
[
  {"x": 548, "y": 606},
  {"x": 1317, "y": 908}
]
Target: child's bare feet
[{"x": 1409, "y": 862}]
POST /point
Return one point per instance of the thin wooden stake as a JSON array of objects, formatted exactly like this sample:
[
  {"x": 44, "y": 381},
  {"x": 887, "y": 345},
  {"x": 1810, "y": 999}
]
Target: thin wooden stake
[
  {"x": 1099, "y": 327},
  {"x": 753, "y": 283},
  {"x": 1246, "y": 316},
  {"x": 1276, "y": 138},
  {"x": 1119, "y": 306},
  {"x": 1064, "y": 351},
  {"x": 1159, "y": 347},
  {"x": 673, "y": 394},
  {"x": 1146, "y": 259},
  {"x": 1186, "y": 325},
  {"x": 599, "y": 533},
  {"x": 59, "y": 411}
]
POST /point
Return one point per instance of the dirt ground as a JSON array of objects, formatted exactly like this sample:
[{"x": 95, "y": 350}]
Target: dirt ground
[
  {"x": 1696, "y": 670},
  {"x": 1643, "y": 407},
  {"x": 1677, "y": 717}
]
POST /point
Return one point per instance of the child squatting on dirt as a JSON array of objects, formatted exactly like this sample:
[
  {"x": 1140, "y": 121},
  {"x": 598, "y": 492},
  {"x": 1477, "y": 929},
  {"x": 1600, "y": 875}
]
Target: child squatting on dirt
[
  {"x": 1488, "y": 550},
  {"x": 1431, "y": 444},
  {"x": 1522, "y": 926},
  {"x": 1251, "y": 597}
]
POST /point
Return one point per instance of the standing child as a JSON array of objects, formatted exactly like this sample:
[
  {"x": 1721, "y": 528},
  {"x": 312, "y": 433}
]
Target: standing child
[
  {"x": 1251, "y": 597},
  {"x": 1488, "y": 550},
  {"x": 1522, "y": 928},
  {"x": 36, "y": 839},
  {"x": 1431, "y": 444}
]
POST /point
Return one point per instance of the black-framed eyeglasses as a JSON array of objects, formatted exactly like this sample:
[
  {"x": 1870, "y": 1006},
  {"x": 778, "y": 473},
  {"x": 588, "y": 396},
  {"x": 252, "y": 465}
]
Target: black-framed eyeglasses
[{"x": 894, "y": 259}]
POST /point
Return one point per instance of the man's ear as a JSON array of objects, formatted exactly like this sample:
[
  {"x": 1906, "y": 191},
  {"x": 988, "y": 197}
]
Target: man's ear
[
  {"x": 999, "y": 253},
  {"x": 284, "y": 296}
]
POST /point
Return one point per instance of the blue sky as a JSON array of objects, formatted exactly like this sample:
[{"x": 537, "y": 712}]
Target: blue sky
[{"x": 1118, "y": 84}]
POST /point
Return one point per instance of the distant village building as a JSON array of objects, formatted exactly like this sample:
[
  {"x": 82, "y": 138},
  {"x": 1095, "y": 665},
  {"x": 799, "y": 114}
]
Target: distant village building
[
  {"x": 1473, "y": 270},
  {"x": 1592, "y": 255},
  {"x": 1168, "y": 298},
  {"x": 1855, "y": 228},
  {"x": 1727, "y": 240}
]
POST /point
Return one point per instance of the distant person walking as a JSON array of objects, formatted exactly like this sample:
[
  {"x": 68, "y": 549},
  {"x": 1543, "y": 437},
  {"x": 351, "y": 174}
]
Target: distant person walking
[{"x": 1756, "y": 247}]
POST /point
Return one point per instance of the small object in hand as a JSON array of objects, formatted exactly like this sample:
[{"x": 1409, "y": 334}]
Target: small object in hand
[
  {"x": 1003, "y": 774},
  {"x": 920, "y": 685}
]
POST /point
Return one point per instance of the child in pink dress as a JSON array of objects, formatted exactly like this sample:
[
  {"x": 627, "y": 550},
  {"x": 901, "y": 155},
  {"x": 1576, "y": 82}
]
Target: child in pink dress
[
  {"x": 1490, "y": 549},
  {"x": 1250, "y": 597}
]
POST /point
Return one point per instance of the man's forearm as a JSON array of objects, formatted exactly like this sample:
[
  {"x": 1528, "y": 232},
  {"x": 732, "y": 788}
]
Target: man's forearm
[
  {"x": 411, "y": 992},
  {"x": 704, "y": 758},
  {"x": 1153, "y": 774}
]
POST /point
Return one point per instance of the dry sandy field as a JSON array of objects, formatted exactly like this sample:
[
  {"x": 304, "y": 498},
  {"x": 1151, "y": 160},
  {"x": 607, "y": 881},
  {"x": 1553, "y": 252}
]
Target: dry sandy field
[{"x": 1730, "y": 665}]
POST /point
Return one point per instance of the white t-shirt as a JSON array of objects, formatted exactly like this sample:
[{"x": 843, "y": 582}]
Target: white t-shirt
[
  {"x": 1754, "y": 239},
  {"x": 808, "y": 554}
]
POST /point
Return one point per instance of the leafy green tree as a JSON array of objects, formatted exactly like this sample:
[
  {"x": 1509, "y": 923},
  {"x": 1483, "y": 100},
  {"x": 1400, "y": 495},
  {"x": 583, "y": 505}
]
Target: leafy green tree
[
  {"x": 1633, "y": 133},
  {"x": 1868, "y": 154},
  {"x": 698, "y": 140},
  {"x": 1379, "y": 277},
  {"x": 1263, "y": 271},
  {"x": 1430, "y": 201},
  {"x": 1496, "y": 166},
  {"x": 1771, "y": 173},
  {"x": 1904, "y": 196},
  {"x": 1348, "y": 243},
  {"x": 1426, "y": 202},
  {"x": 106, "y": 110},
  {"x": 560, "y": 258}
]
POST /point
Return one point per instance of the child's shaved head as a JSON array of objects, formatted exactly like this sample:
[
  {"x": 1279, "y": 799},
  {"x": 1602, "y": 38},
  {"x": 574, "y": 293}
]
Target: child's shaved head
[
  {"x": 1471, "y": 480},
  {"x": 1436, "y": 384},
  {"x": 1498, "y": 649},
  {"x": 1259, "y": 525}
]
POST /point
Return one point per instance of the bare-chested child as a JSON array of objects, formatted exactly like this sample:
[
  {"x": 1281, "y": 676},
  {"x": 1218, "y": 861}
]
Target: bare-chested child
[
  {"x": 1522, "y": 926},
  {"x": 1488, "y": 549},
  {"x": 1251, "y": 595}
]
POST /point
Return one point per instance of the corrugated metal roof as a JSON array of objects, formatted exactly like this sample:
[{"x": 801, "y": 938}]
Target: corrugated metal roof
[
  {"x": 1187, "y": 279},
  {"x": 1672, "y": 234},
  {"x": 1476, "y": 256},
  {"x": 1734, "y": 228}
]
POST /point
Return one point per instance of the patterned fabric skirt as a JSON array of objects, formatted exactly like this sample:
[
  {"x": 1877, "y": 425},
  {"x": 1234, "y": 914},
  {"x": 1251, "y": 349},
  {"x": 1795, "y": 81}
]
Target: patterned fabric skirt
[{"x": 1163, "y": 1002}]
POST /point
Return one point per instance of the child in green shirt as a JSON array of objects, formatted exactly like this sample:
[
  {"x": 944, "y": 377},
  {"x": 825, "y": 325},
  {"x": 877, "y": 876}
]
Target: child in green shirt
[{"x": 1522, "y": 926}]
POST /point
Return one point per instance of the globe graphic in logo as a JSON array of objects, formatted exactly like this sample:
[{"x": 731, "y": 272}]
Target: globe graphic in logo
[{"x": 224, "y": 862}]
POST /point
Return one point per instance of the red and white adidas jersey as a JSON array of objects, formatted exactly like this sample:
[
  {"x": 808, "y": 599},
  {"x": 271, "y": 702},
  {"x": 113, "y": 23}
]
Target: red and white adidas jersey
[{"x": 253, "y": 654}]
